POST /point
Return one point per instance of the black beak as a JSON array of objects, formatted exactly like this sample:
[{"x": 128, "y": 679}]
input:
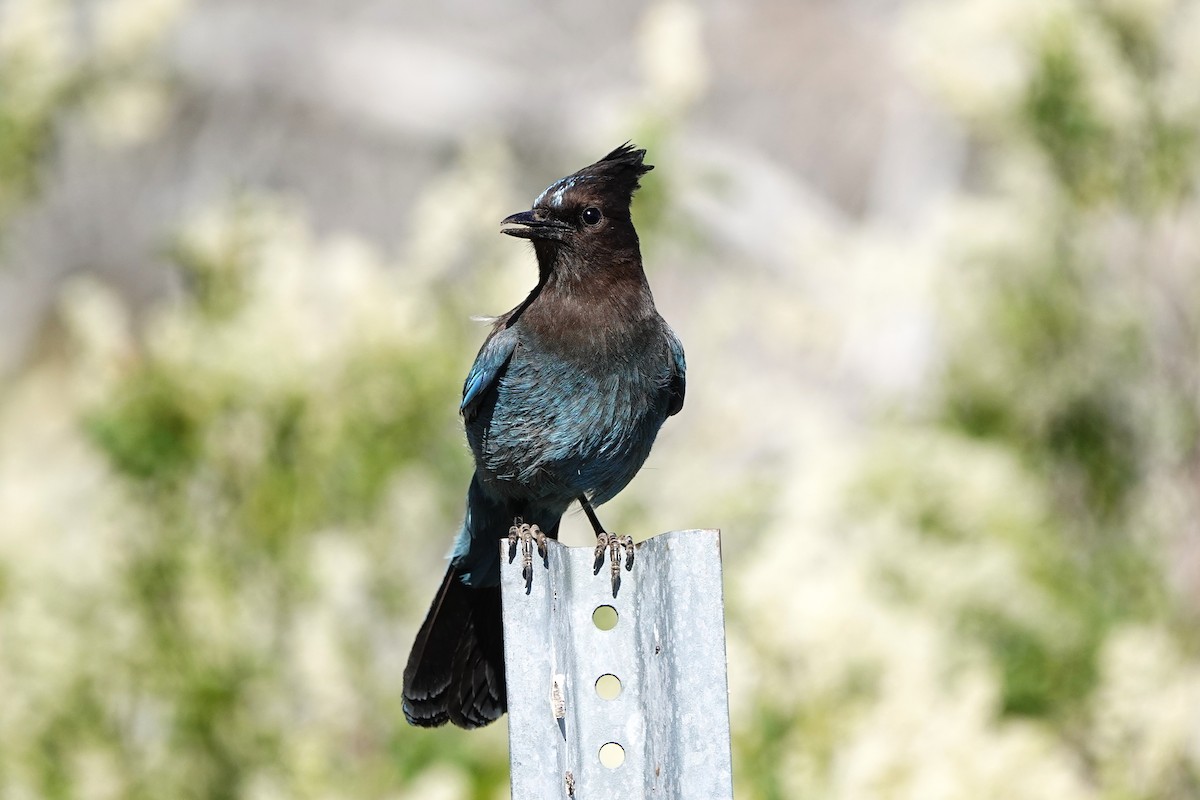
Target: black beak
[{"x": 535, "y": 225}]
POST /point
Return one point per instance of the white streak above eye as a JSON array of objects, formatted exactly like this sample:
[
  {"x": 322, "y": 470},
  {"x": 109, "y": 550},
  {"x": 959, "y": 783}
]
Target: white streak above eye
[{"x": 553, "y": 195}]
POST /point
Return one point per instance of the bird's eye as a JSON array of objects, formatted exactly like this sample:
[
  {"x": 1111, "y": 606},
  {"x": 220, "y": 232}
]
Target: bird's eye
[{"x": 591, "y": 216}]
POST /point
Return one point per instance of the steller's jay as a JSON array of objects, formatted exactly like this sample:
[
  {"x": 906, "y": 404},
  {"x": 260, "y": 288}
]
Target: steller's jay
[{"x": 562, "y": 404}]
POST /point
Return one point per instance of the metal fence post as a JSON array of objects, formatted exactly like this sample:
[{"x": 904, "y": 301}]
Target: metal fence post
[{"x": 665, "y": 733}]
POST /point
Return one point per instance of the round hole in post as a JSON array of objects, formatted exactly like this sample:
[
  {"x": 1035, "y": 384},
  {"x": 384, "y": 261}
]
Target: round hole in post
[
  {"x": 612, "y": 755},
  {"x": 608, "y": 686},
  {"x": 605, "y": 618}
]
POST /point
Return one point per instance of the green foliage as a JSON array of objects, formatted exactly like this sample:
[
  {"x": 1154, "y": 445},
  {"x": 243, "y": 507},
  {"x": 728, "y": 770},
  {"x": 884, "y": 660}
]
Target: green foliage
[
  {"x": 1062, "y": 119},
  {"x": 241, "y": 480},
  {"x": 24, "y": 144},
  {"x": 26, "y": 130},
  {"x": 1058, "y": 378},
  {"x": 151, "y": 430},
  {"x": 269, "y": 553},
  {"x": 1039, "y": 676},
  {"x": 211, "y": 591},
  {"x": 1097, "y": 105},
  {"x": 1055, "y": 358},
  {"x": 47, "y": 75}
]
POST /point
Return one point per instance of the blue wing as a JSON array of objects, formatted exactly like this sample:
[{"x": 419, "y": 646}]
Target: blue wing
[
  {"x": 678, "y": 385},
  {"x": 492, "y": 358}
]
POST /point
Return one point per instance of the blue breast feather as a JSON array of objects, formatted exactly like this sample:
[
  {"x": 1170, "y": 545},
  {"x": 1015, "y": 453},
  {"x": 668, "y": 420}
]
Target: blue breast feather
[
  {"x": 554, "y": 429},
  {"x": 491, "y": 359}
]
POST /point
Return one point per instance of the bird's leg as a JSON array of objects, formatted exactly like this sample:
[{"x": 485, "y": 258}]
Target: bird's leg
[
  {"x": 527, "y": 535},
  {"x": 609, "y": 543}
]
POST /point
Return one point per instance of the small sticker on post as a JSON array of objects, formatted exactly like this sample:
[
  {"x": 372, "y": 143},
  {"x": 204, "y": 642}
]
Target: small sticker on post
[{"x": 558, "y": 702}]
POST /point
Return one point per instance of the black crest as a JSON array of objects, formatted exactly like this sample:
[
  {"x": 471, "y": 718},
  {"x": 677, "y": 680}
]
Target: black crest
[
  {"x": 616, "y": 175},
  {"x": 622, "y": 167}
]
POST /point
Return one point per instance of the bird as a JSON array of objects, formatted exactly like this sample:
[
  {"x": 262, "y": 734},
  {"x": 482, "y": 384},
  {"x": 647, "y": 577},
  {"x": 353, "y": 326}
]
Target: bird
[{"x": 562, "y": 405}]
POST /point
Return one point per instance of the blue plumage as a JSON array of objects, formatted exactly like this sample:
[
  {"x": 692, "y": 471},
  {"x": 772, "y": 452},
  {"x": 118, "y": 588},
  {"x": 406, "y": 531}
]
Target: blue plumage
[
  {"x": 562, "y": 404},
  {"x": 492, "y": 358}
]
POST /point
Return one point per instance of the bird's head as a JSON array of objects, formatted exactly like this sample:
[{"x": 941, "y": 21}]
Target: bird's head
[{"x": 584, "y": 217}]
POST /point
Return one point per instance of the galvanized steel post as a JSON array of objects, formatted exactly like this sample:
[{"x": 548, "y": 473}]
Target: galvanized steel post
[{"x": 618, "y": 697}]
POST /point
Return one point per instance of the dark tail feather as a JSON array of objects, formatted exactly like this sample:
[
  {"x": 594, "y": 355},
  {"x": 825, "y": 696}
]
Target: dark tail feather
[{"x": 455, "y": 671}]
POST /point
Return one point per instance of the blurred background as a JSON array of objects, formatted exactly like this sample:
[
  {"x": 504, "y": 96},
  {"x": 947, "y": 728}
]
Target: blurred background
[{"x": 936, "y": 267}]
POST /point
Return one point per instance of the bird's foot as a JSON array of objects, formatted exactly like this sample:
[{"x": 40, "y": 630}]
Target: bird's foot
[
  {"x": 612, "y": 545},
  {"x": 527, "y": 535}
]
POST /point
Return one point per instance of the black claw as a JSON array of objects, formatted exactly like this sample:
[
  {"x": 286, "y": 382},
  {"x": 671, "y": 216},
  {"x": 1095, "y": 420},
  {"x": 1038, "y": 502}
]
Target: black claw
[
  {"x": 527, "y": 535},
  {"x": 627, "y": 543},
  {"x": 611, "y": 545},
  {"x": 601, "y": 549}
]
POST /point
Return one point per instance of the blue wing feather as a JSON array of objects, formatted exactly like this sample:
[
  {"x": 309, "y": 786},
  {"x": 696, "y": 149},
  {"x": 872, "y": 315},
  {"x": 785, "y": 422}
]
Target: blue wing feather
[
  {"x": 492, "y": 358},
  {"x": 678, "y": 374}
]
